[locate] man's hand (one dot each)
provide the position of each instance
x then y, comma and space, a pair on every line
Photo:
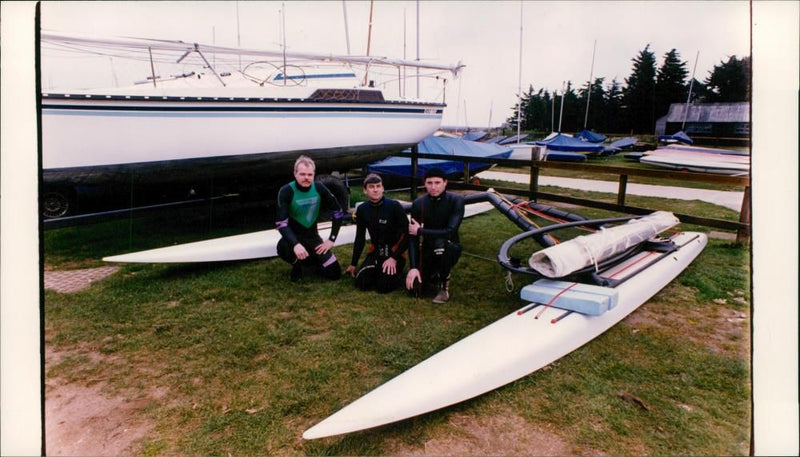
300, 251
411, 276
324, 247
413, 227
351, 270
389, 266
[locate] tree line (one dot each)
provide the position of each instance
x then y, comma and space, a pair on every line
632, 107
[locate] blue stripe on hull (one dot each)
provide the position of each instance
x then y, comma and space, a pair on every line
228, 109
246, 113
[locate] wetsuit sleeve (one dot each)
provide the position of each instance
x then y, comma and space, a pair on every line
361, 230
453, 220
282, 216
329, 203
413, 241
400, 221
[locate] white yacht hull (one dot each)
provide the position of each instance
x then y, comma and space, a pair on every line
85, 132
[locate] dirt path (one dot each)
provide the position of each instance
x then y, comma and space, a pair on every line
83, 419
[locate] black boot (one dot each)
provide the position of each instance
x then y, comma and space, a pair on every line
443, 292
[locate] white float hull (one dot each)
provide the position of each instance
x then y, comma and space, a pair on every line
504, 351
256, 245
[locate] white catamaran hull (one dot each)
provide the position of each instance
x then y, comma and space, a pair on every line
256, 245
508, 349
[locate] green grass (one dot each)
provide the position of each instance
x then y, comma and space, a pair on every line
248, 361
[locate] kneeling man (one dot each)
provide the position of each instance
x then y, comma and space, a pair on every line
435, 218
387, 225
299, 205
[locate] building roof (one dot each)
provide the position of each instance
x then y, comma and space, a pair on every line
710, 112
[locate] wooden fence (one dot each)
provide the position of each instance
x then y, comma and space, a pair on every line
742, 227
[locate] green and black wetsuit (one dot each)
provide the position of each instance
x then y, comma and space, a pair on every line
298, 211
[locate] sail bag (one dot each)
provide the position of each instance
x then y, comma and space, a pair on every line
580, 252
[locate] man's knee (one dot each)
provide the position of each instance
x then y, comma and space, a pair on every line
285, 252
332, 270
452, 253
365, 277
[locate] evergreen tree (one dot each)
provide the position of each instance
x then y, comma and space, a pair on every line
639, 95
538, 114
596, 120
730, 81
568, 119
634, 106
522, 104
670, 86
535, 111
612, 109
547, 112
700, 92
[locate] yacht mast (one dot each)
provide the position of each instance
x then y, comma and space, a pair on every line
346, 28
689, 97
519, 78
589, 93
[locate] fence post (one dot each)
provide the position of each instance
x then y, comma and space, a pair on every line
743, 235
623, 187
534, 179
414, 160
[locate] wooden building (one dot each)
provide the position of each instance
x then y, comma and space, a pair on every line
718, 123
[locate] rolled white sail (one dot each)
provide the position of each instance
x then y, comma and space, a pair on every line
565, 258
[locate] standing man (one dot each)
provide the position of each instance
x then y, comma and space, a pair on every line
299, 206
387, 224
435, 217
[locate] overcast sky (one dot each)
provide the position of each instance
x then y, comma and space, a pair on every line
557, 37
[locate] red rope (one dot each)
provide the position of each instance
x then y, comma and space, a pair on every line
633, 264
555, 298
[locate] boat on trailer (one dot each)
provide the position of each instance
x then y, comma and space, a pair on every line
244, 124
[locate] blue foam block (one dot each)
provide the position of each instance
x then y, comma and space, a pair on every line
583, 298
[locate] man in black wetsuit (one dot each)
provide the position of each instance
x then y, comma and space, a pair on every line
435, 217
299, 205
387, 224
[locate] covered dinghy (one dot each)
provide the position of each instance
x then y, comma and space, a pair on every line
513, 139
619, 145
475, 135
679, 137
496, 139
443, 146
561, 142
591, 137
